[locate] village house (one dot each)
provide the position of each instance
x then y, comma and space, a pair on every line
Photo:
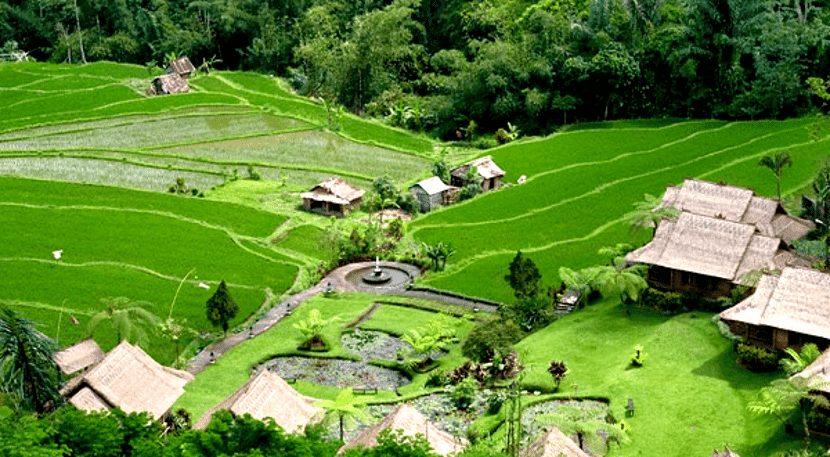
554, 443
785, 311
486, 169
722, 233
129, 379
78, 357
181, 67
268, 395
169, 84
411, 423
333, 197
432, 193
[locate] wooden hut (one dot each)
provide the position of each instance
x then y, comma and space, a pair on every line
736, 204
268, 395
709, 256
181, 67
129, 379
785, 311
431, 193
554, 443
78, 356
334, 197
411, 423
487, 170
169, 84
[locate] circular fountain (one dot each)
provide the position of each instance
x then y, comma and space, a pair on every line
381, 277
376, 276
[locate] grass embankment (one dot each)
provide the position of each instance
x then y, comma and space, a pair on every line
232, 370
580, 184
140, 245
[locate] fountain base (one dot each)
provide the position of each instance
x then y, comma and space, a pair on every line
376, 276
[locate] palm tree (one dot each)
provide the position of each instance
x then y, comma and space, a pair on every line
345, 406
128, 317
776, 163
27, 369
783, 396
649, 213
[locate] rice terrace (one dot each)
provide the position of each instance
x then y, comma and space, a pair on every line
110, 198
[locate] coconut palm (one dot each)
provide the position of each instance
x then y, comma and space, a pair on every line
27, 369
344, 407
776, 164
128, 317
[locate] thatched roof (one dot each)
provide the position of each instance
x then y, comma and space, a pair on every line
711, 247
798, 301
170, 84
268, 395
129, 379
334, 190
411, 422
485, 167
737, 204
181, 67
553, 444
85, 399
726, 453
432, 186
79, 356
820, 367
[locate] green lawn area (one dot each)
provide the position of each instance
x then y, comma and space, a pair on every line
690, 396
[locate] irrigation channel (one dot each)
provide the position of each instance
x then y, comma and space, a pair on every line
348, 278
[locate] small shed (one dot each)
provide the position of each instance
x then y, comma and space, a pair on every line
181, 67
333, 197
553, 444
268, 395
129, 379
489, 172
78, 356
411, 423
431, 193
169, 84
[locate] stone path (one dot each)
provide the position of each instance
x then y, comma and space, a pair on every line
336, 280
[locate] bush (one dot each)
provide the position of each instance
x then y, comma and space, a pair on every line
490, 339
818, 422
665, 302
464, 393
757, 359
639, 357
437, 379
502, 136
495, 400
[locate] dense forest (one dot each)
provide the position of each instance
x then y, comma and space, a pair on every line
455, 68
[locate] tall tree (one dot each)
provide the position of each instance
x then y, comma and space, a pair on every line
129, 318
221, 308
776, 163
27, 369
524, 277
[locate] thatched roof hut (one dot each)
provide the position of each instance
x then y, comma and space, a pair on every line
333, 196
181, 67
78, 356
489, 172
268, 395
129, 379
737, 204
169, 84
411, 423
796, 305
553, 444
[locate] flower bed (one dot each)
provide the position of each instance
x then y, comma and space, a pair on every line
373, 345
337, 373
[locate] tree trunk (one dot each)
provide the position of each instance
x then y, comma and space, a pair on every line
341, 427
80, 35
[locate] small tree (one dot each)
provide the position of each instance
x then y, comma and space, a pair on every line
776, 163
783, 396
424, 344
491, 339
649, 212
221, 308
344, 407
128, 317
311, 329
442, 170
798, 362
558, 370
524, 277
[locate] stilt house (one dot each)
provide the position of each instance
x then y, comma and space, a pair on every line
333, 197
785, 311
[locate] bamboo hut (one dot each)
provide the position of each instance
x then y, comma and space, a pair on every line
486, 169
736, 204
181, 67
169, 84
268, 395
78, 356
129, 379
554, 443
786, 311
333, 197
709, 256
411, 423
431, 193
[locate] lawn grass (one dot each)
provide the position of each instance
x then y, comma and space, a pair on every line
305, 240
690, 396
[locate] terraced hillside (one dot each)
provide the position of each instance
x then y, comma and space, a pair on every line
580, 184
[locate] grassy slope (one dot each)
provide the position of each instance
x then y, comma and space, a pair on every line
580, 185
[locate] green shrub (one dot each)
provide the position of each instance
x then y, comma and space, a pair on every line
464, 393
757, 359
495, 400
436, 379
818, 421
639, 357
665, 302
502, 136
491, 338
